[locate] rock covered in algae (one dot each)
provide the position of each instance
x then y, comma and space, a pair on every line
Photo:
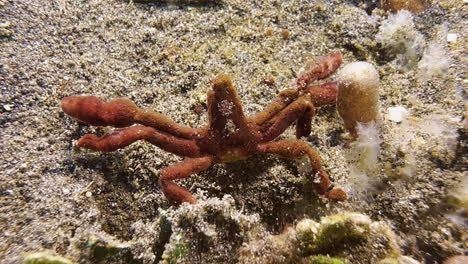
456, 203
211, 229
102, 252
320, 259
100, 248
45, 258
341, 230
343, 238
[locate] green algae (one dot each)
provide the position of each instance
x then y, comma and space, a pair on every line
335, 230
179, 250
45, 258
320, 259
102, 252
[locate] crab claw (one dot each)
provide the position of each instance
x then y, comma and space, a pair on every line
327, 65
324, 94
336, 195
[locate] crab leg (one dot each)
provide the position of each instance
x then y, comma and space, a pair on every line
295, 149
320, 95
304, 122
302, 108
183, 169
160, 122
283, 99
327, 65
223, 104
122, 113
123, 137
323, 94
216, 120
227, 101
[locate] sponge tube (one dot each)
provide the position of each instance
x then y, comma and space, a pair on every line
358, 94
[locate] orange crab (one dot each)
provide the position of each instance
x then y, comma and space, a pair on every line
229, 135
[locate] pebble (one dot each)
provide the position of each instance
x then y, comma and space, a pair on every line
8, 107
452, 37
397, 113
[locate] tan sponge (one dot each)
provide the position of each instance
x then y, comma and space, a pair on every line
358, 94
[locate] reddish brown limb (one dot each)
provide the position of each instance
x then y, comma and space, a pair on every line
121, 113
324, 94
123, 137
295, 149
283, 99
216, 124
216, 120
227, 101
93, 111
324, 68
183, 169
160, 122
299, 108
304, 123
225, 104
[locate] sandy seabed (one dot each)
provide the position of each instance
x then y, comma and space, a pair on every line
108, 208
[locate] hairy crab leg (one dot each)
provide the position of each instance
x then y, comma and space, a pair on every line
327, 65
226, 103
293, 149
324, 94
287, 116
211, 142
283, 99
320, 95
216, 120
123, 137
122, 113
183, 169
304, 122
163, 123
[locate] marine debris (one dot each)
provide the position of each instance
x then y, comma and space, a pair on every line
229, 135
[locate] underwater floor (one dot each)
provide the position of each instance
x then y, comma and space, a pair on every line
404, 169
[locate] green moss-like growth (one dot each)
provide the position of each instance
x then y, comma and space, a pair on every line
320, 259
456, 202
45, 258
307, 231
334, 231
178, 250
108, 253
351, 236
